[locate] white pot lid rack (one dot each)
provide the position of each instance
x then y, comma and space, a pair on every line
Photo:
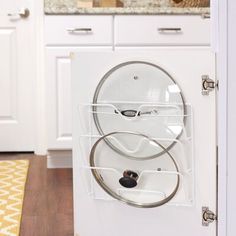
139, 120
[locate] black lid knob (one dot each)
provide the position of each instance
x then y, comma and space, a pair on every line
128, 182
129, 179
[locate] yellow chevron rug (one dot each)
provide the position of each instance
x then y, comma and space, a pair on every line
13, 176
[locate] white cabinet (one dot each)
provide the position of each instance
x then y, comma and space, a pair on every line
65, 34
195, 153
78, 30
59, 105
162, 30
58, 98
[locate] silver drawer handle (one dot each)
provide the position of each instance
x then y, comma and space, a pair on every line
23, 13
169, 30
79, 30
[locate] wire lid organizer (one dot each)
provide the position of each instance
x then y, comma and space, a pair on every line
137, 141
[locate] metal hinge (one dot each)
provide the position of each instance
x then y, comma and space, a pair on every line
208, 85
208, 216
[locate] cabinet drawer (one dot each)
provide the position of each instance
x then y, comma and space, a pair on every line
78, 30
162, 30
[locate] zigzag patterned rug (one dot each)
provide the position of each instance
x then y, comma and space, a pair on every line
13, 176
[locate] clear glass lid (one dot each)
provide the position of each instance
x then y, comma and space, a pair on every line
146, 184
141, 97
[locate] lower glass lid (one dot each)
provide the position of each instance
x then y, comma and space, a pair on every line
137, 182
142, 97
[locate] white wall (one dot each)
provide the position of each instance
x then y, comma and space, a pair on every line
231, 186
221, 18
227, 118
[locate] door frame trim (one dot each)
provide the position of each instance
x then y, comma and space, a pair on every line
40, 87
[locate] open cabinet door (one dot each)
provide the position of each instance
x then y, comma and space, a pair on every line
16, 77
144, 142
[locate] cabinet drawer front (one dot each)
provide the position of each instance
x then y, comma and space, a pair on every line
78, 30
162, 30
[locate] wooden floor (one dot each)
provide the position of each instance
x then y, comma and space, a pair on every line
48, 207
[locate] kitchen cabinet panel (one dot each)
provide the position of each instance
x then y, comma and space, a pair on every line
59, 104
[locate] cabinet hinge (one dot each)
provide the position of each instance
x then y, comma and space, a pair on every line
208, 216
208, 85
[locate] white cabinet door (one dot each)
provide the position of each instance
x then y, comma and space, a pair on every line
16, 78
58, 98
182, 215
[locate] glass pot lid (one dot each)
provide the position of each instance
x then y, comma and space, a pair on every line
145, 184
139, 97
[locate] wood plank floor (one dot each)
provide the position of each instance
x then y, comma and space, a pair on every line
48, 203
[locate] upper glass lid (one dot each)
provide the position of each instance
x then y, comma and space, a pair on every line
141, 97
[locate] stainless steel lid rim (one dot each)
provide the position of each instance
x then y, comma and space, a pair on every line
113, 194
95, 101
